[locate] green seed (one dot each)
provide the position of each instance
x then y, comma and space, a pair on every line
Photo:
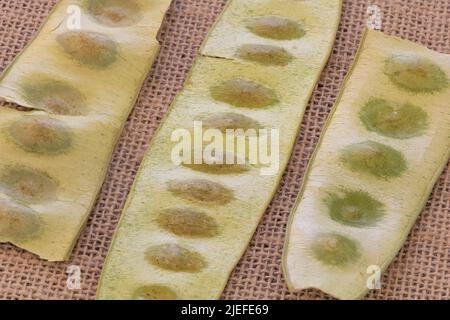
354, 208
335, 250
53, 96
201, 190
374, 158
274, 27
264, 54
187, 222
229, 120
115, 13
154, 292
394, 121
175, 258
415, 74
40, 134
244, 94
17, 222
27, 184
90, 48
224, 167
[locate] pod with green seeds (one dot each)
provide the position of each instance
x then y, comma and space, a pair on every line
77, 88
384, 146
186, 223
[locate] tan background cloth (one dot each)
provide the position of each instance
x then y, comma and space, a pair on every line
421, 270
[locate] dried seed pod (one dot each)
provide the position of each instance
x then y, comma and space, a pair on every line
359, 199
174, 257
244, 94
374, 158
400, 122
115, 13
17, 222
415, 74
274, 27
154, 292
201, 191
264, 54
41, 134
89, 48
53, 96
27, 184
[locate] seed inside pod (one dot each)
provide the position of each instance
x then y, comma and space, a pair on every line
174, 257
374, 158
187, 222
274, 27
354, 208
90, 48
41, 134
220, 163
229, 120
400, 122
17, 222
27, 184
244, 93
53, 96
201, 190
416, 74
115, 13
335, 250
154, 292
264, 54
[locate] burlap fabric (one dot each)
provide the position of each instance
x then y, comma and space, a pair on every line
421, 270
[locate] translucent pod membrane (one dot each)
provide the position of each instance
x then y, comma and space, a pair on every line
354, 208
17, 222
274, 27
201, 191
264, 54
374, 158
27, 184
392, 120
174, 257
229, 120
245, 94
89, 48
41, 134
115, 13
335, 250
53, 96
415, 74
187, 222
154, 292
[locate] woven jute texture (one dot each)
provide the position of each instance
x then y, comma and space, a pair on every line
420, 271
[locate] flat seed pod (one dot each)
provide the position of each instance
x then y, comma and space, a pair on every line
381, 153
186, 224
77, 88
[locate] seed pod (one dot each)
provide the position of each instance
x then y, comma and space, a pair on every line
360, 197
87, 78
17, 222
40, 134
89, 48
206, 217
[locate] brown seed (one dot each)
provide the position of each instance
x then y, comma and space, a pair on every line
174, 257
